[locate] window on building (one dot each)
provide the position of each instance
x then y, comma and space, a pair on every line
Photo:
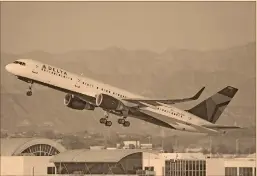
41, 150
230, 171
148, 168
50, 170
185, 167
151, 168
245, 171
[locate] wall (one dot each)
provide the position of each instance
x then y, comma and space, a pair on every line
40, 164
158, 160
187, 156
11, 165
150, 159
240, 162
23, 165
215, 166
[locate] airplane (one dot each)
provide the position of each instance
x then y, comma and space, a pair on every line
83, 93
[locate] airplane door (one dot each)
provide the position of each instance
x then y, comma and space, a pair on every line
77, 84
35, 70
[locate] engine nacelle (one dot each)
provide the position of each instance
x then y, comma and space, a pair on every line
108, 102
74, 102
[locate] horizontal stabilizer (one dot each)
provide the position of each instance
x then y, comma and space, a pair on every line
216, 126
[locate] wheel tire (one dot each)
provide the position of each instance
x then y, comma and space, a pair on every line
121, 121
103, 120
126, 124
108, 123
29, 93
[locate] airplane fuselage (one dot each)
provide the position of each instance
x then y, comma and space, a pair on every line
81, 86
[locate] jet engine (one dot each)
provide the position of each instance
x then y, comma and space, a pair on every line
108, 102
74, 102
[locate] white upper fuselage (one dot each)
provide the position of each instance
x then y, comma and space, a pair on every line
61, 78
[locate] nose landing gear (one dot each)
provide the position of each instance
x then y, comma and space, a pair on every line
29, 92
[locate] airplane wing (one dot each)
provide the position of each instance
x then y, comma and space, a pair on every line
154, 102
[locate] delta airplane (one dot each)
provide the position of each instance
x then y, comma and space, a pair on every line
87, 94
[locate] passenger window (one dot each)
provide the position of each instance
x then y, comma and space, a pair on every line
18, 62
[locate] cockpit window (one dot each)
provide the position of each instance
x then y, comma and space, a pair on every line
18, 62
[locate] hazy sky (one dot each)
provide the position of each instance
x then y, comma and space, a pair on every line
64, 26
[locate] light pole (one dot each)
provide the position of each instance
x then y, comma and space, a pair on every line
149, 138
210, 146
237, 146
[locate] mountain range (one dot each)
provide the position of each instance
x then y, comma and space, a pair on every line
175, 73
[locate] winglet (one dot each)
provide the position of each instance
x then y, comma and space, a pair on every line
197, 95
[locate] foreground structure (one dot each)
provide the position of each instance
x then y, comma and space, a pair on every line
30, 156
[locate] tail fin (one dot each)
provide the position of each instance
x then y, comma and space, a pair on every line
211, 108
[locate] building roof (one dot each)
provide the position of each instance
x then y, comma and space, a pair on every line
189, 156
15, 146
93, 156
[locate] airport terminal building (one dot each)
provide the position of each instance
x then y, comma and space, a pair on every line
32, 156
28, 156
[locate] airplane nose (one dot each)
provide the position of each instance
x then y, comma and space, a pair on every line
8, 68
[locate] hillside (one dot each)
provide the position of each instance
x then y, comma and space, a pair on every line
173, 74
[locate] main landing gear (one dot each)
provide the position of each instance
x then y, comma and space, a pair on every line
109, 123
124, 122
29, 92
105, 119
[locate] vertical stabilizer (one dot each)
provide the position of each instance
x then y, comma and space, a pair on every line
211, 108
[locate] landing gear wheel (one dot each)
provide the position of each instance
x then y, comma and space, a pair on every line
103, 120
108, 123
121, 121
126, 124
29, 93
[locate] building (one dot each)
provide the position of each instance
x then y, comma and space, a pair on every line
178, 164
197, 164
28, 156
93, 162
131, 144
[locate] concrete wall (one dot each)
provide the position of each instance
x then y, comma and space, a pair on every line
36, 164
150, 159
240, 162
23, 165
215, 167
11, 165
